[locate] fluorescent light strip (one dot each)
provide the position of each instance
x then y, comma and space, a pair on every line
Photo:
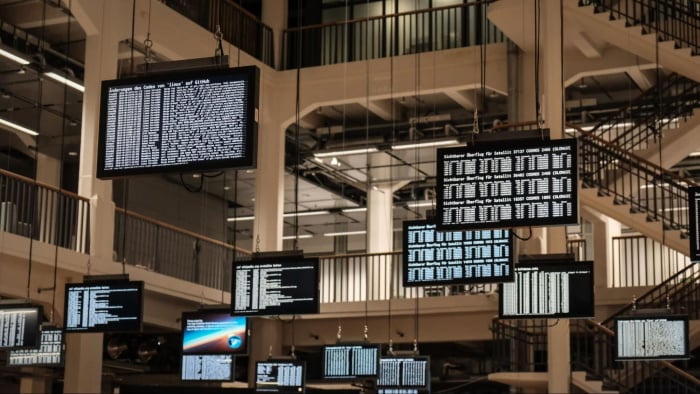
65, 81
301, 236
424, 144
353, 210
360, 232
240, 219
306, 213
418, 204
694, 154
17, 127
13, 57
345, 152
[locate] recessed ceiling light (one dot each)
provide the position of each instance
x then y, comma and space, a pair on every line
72, 153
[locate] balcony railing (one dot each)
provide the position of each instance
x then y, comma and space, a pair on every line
238, 26
44, 213
404, 33
641, 261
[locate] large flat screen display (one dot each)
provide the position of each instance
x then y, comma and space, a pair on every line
694, 222
507, 184
548, 290
404, 373
276, 286
19, 325
214, 331
49, 354
213, 367
280, 376
187, 121
349, 362
652, 337
103, 306
432, 257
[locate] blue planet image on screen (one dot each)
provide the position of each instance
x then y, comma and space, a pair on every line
235, 342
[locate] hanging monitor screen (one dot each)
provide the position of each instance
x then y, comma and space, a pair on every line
694, 222
103, 306
276, 286
187, 121
214, 331
280, 376
349, 362
652, 337
433, 257
49, 354
548, 290
404, 373
508, 184
19, 325
214, 367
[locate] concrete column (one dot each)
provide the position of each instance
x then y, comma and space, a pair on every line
83, 372
274, 14
34, 384
380, 231
48, 164
266, 338
604, 229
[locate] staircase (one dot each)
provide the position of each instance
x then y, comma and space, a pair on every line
637, 25
635, 192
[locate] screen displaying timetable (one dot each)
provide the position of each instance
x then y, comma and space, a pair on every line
348, 362
694, 222
404, 372
19, 325
214, 367
185, 121
280, 376
548, 290
276, 286
49, 353
652, 337
433, 257
108, 306
508, 184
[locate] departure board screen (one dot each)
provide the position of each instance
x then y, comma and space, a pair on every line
432, 257
49, 354
104, 306
349, 362
214, 367
548, 290
280, 376
19, 325
404, 372
187, 121
214, 331
694, 222
276, 286
652, 337
508, 184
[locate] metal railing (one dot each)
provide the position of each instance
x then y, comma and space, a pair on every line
641, 122
172, 251
677, 20
238, 26
404, 33
519, 345
44, 213
631, 257
646, 187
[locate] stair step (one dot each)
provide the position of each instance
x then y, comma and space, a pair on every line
581, 380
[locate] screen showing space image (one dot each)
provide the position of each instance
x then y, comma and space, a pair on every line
214, 332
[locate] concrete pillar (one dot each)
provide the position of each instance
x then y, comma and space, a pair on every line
34, 384
604, 229
266, 338
274, 14
48, 164
83, 372
380, 231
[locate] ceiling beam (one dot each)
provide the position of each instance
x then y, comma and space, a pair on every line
467, 99
587, 47
387, 109
641, 78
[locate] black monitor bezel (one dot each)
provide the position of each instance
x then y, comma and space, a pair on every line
494, 146
249, 73
349, 378
419, 388
589, 265
62, 358
404, 263
692, 224
675, 317
280, 260
39, 318
217, 311
233, 367
139, 286
283, 389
